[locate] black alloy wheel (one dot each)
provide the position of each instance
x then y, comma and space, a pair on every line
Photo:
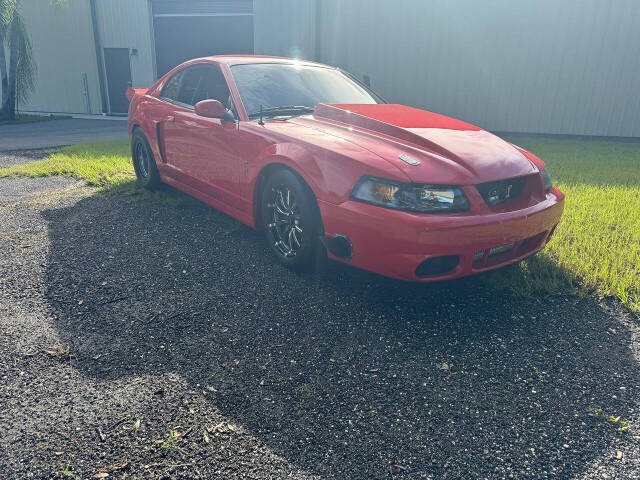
144, 162
291, 221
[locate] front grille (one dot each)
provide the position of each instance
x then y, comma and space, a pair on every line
495, 193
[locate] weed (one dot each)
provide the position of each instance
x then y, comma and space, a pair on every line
622, 425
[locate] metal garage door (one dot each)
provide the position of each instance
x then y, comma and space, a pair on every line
186, 29
202, 7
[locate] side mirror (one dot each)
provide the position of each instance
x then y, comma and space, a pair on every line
211, 109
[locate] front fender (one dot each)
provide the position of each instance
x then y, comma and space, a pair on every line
296, 157
540, 165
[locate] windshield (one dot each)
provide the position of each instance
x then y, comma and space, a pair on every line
273, 85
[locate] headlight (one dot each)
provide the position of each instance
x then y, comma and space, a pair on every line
547, 180
410, 196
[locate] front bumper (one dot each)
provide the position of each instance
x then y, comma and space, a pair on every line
394, 243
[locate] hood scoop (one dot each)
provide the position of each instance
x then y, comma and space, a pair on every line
378, 115
394, 121
482, 154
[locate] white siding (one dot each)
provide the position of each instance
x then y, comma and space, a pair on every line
63, 50
128, 24
545, 66
284, 27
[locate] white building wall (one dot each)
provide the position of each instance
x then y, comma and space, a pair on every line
128, 24
63, 50
545, 66
285, 28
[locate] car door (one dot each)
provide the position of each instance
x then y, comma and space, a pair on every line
201, 152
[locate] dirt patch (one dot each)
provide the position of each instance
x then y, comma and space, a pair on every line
9, 159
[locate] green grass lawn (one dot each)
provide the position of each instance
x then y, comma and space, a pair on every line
598, 239
596, 246
30, 118
106, 165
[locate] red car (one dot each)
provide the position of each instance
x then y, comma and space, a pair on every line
324, 166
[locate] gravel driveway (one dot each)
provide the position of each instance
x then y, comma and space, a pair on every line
18, 157
178, 320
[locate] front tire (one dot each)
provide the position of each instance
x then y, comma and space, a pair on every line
144, 162
291, 221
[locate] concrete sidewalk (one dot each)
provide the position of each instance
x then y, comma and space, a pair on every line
56, 133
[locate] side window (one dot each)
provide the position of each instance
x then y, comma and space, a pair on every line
196, 83
171, 88
190, 83
212, 85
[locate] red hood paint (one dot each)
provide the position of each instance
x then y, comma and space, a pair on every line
450, 151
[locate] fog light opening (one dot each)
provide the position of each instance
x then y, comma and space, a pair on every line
339, 245
436, 266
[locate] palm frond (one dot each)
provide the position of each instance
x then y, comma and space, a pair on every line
20, 46
7, 11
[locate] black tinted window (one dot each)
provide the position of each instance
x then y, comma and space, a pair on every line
203, 82
189, 85
212, 85
172, 87
200, 82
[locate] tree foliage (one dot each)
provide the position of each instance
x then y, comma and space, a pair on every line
20, 46
17, 67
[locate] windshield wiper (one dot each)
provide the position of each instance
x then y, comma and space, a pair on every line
284, 109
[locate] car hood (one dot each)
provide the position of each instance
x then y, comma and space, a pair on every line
426, 146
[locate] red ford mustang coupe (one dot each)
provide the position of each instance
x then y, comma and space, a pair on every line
324, 166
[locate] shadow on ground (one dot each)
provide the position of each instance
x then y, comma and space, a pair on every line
347, 374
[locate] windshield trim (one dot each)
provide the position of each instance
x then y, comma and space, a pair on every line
295, 64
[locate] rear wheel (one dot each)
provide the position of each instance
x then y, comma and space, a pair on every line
291, 221
144, 162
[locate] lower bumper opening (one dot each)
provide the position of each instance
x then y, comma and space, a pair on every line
504, 253
436, 266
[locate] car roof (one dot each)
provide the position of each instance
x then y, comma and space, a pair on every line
247, 59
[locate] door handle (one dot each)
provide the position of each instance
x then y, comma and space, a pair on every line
170, 118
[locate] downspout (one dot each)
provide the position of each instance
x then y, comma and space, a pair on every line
152, 39
98, 48
4, 76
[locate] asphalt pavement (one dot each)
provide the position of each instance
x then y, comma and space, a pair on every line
56, 133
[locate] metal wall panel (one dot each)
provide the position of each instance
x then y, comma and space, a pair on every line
128, 24
202, 7
63, 49
545, 66
285, 27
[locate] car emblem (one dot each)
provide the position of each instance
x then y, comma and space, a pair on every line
409, 159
